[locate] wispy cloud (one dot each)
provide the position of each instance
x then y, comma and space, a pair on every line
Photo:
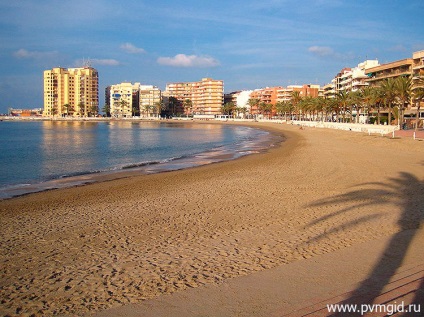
182, 60
96, 61
398, 48
132, 49
106, 62
328, 52
23, 53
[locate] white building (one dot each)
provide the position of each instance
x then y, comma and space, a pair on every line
127, 100
353, 79
121, 99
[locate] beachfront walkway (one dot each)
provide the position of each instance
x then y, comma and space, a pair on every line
410, 134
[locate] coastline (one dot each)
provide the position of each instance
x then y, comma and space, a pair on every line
258, 142
85, 249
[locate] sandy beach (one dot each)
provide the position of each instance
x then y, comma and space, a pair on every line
83, 250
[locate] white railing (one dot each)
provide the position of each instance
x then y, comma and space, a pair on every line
356, 127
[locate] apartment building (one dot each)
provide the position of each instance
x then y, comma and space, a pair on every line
122, 99
418, 64
349, 79
285, 94
149, 101
408, 67
390, 70
71, 92
267, 95
329, 90
239, 98
127, 100
206, 95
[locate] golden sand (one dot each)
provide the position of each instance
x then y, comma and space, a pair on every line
80, 250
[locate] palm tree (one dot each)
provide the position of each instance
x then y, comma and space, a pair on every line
187, 104
354, 99
134, 110
123, 106
159, 107
418, 97
367, 97
279, 107
106, 110
319, 107
295, 99
306, 105
228, 108
70, 109
265, 108
343, 100
93, 110
172, 105
403, 86
242, 110
377, 101
66, 108
253, 103
82, 109
285, 107
388, 89
55, 110
331, 106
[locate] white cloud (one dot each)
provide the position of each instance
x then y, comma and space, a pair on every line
182, 60
132, 49
321, 50
23, 53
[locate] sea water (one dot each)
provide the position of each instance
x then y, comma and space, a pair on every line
40, 155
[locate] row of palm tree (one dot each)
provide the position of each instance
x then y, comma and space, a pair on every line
393, 96
69, 110
122, 108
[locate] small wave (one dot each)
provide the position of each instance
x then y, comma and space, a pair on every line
75, 174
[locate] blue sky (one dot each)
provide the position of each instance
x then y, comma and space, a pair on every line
248, 44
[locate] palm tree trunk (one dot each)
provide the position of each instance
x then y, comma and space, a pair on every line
417, 119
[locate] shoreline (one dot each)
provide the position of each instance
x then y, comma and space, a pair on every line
210, 156
81, 250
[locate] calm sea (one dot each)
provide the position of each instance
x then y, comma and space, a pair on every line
39, 155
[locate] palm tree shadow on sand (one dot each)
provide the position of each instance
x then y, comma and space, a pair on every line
408, 192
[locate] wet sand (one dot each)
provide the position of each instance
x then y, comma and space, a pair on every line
77, 251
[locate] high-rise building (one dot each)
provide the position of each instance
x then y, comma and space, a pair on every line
350, 79
149, 100
71, 92
376, 75
121, 99
127, 100
206, 96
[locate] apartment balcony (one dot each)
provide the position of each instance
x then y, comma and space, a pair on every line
418, 65
390, 74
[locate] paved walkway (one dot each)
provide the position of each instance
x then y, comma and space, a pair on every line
306, 287
403, 290
410, 134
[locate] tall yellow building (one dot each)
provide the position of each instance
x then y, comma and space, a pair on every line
71, 92
207, 95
